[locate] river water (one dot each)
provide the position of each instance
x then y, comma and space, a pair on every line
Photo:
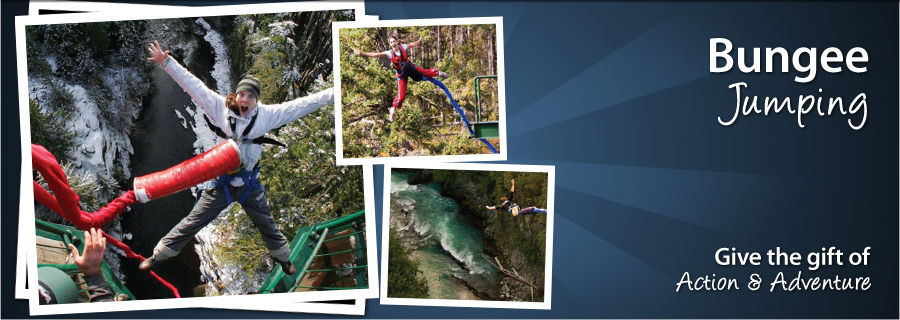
447, 246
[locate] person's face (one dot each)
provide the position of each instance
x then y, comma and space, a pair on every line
395, 44
246, 102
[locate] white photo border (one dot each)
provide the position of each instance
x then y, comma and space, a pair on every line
26, 201
548, 265
35, 6
501, 85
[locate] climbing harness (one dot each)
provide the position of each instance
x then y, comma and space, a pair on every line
250, 178
404, 67
396, 60
233, 123
409, 70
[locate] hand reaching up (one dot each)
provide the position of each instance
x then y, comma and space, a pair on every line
92, 259
156, 53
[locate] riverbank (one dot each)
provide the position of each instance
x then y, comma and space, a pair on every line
436, 288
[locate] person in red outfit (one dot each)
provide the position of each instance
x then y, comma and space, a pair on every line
405, 68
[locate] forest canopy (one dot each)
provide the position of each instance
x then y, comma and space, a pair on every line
427, 124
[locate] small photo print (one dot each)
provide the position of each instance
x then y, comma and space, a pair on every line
188, 157
477, 236
420, 90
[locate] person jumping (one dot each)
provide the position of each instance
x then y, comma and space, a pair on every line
404, 67
240, 117
510, 205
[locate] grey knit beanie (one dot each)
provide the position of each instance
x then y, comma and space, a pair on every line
249, 83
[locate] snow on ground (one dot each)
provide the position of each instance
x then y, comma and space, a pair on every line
222, 66
98, 150
282, 28
89, 134
206, 139
181, 119
122, 82
51, 60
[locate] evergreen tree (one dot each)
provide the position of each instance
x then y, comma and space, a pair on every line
403, 273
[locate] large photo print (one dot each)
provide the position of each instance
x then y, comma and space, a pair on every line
211, 139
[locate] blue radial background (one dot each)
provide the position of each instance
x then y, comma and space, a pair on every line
619, 97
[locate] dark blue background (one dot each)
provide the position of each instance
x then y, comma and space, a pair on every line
618, 96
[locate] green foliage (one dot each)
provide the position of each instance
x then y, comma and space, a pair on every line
242, 243
303, 182
51, 131
288, 52
403, 273
98, 38
428, 124
59, 98
526, 234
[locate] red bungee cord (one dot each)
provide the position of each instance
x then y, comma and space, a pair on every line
64, 201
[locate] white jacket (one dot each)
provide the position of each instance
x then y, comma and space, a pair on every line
270, 116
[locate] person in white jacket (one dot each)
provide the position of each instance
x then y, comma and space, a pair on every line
240, 117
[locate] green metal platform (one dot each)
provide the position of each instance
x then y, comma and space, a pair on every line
483, 129
330, 255
486, 129
53, 251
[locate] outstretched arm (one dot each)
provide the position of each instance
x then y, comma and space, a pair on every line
282, 114
415, 43
369, 54
512, 191
207, 99
491, 207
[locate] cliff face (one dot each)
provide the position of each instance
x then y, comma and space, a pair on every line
505, 237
